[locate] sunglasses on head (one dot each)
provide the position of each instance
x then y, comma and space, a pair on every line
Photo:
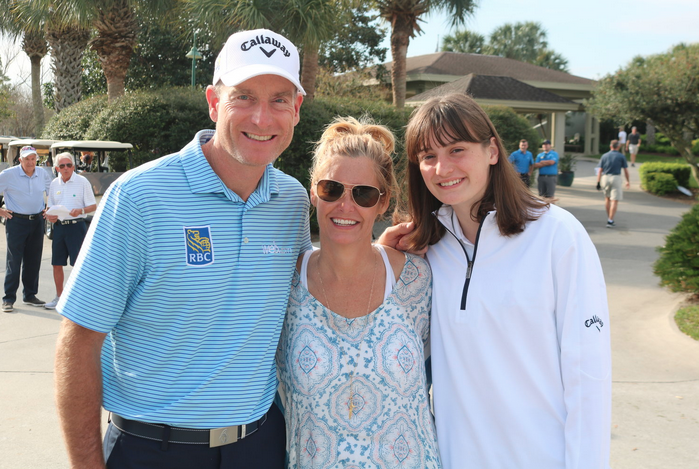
364, 196
63, 165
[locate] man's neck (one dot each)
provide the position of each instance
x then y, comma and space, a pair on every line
241, 179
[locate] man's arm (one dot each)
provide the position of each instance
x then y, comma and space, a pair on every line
544, 163
628, 181
79, 393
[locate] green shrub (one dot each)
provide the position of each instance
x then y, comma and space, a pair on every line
156, 123
680, 172
660, 183
512, 128
73, 122
678, 265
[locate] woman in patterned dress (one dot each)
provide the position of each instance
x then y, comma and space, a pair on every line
351, 354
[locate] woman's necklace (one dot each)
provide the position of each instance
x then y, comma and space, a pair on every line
350, 403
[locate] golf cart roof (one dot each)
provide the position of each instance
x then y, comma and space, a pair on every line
88, 145
34, 142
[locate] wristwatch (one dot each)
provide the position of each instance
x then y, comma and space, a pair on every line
83, 209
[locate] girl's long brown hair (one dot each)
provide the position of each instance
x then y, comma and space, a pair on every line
455, 118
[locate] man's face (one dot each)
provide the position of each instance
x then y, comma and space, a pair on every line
523, 146
255, 120
28, 163
546, 147
67, 169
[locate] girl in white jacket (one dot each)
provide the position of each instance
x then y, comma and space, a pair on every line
520, 324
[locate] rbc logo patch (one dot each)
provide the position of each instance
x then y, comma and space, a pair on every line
200, 249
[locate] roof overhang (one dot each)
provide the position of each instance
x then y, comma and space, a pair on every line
519, 106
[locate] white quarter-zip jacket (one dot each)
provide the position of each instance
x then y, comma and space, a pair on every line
521, 353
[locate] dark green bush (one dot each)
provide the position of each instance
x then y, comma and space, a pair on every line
512, 128
73, 122
660, 183
680, 172
156, 123
678, 265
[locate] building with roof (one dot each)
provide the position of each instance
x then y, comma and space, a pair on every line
493, 80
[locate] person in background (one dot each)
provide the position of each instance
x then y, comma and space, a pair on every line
609, 174
622, 139
23, 187
521, 369
351, 359
195, 252
633, 144
547, 163
73, 192
523, 161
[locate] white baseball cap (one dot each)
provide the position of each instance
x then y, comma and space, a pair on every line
26, 151
248, 54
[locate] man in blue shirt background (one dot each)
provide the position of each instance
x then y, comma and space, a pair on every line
24, 186
547, 162
523, 161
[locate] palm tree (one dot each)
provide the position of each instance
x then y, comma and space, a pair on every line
114, 22
34, 45
68, 43
403, 16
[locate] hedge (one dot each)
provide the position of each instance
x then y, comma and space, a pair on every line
660, 183
678, 265
163, 121
680, 172
73, 122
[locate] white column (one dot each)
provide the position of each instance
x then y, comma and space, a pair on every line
588, 134
558, 131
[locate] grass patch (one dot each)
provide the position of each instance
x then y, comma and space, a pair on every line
687, 320
656, 158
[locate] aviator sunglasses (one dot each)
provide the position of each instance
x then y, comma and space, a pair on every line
63, 165
364, 196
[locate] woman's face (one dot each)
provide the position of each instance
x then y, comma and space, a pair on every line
457, 174
343, 221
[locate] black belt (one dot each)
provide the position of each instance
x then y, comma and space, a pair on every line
27, 217
71, 222
191, 436
547, 175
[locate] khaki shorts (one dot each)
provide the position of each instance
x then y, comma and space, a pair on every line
612, 185
633, 149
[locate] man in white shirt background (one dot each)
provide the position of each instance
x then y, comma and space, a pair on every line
73, 192
622, 139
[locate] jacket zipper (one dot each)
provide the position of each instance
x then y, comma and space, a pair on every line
470, 262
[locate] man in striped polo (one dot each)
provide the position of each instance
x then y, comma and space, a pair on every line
186, 273
74, 195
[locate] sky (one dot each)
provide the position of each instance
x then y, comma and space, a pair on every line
596, 36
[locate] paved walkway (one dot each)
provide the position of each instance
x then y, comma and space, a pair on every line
656, 367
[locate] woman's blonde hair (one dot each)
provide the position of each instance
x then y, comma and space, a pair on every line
349, 137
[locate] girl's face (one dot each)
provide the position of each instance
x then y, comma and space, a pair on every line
457, 174
343, 221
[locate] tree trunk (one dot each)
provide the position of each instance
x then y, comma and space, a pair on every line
34, 45
400, 38
67, 46
37, 103
309, 72
114, 44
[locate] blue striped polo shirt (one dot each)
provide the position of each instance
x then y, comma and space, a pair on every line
191, 283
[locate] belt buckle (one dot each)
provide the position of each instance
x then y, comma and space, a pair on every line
225, 435
31, 217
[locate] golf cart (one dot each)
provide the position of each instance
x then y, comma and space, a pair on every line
92, 162
4, 149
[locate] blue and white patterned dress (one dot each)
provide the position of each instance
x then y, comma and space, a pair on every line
391, 424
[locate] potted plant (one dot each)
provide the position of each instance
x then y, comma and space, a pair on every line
566, 169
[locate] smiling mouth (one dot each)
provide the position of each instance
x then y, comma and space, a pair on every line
259, 138
450, 183
343, 222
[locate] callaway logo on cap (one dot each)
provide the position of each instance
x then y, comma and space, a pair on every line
248, 54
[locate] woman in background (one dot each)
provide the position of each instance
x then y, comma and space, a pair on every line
520, 324
350, 359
